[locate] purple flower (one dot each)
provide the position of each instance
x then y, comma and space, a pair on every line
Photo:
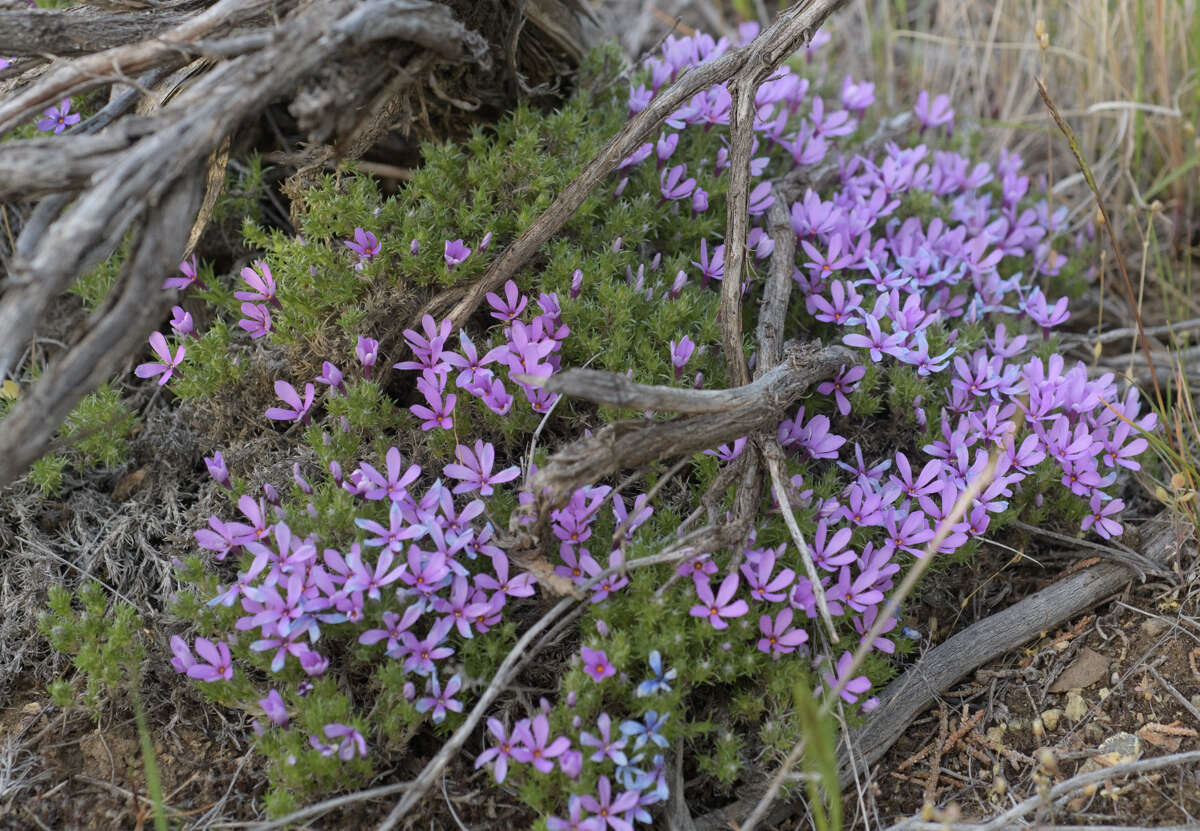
856, 97
398, 531
182, 323
935, 114
717, 608
609, 810
455, 252
297, 409
221, 539
394, 486
681, 353
474, 469
509, 307
166, 365
58, 118
364, 244
332, 376
501, 752
220, 662
274, 708
422, 653
427, 348
371, 581
607, 746
672, 184
367, 352
189, 278
1045, 316
596, 664
854, 687
536, 748
437, 414
257, 320
184, 659
351, 742
217, 469
842, 385
485, 242
778, 636
394, 627
440, 700
575, 820
1101, 516
713, 269
262, 283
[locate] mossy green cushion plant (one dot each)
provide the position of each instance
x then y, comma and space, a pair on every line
368, 600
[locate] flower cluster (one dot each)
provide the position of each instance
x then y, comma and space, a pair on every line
619, 750
940, 272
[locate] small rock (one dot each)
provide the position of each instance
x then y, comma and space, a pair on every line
1076, 707
1050, 718
1153, 627
1088, 667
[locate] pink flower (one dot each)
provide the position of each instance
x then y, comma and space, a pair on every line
257, 320
189, 278
166, 365
298, 411
596, 664
263, 285
717, 608
854, 687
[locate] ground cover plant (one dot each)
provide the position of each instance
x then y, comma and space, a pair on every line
363, 584
367, 599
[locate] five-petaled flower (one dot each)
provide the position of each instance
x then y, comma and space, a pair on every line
717, 608
455, 252
596, 664
58, 118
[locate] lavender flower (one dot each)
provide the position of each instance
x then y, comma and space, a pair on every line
365, 245
455, 252
58, 118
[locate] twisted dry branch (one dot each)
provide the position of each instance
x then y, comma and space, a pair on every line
131, 170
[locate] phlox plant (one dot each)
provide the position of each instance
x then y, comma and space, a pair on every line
370, 598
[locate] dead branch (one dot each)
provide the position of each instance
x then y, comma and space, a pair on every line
31, 424
80, 32
128, 170
634, 444
100, 69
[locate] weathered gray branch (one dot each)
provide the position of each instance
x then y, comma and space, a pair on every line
80, 32
945, 664
124, 170
627, 445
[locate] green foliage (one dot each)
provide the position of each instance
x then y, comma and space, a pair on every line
47, 473
94, 286
102, 636
99, 427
